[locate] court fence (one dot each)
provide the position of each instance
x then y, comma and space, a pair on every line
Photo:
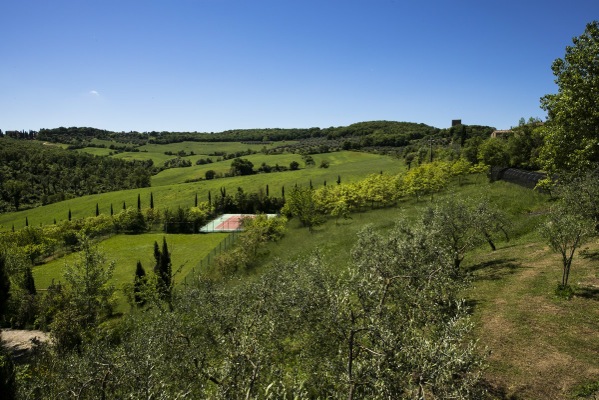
205, 262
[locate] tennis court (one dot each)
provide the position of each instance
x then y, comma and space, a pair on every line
228, 223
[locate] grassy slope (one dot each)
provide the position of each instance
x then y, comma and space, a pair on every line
156, 151
125, 250
350, 166
541, 347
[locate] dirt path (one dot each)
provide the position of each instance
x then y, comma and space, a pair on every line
19, 342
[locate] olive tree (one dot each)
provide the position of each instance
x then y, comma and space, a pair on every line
565, 231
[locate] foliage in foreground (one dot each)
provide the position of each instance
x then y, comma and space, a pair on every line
392, 326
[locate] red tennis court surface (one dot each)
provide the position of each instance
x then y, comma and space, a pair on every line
228, 223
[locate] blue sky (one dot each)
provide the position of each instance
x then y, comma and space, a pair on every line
212, 65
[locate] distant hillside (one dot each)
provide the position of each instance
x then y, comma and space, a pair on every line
364, 134
32, 174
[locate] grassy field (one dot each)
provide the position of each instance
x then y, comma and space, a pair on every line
350, 166
541, 346
125, 250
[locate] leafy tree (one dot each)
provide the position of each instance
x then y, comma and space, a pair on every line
470, 149
565, 231
293, 165
580, 194
460, 225
87, 301
242, 167
210, 174
300, 203
4, 284
89, 280
130, 221
494, 151
571, 134
460, 168
14, 190
525, 143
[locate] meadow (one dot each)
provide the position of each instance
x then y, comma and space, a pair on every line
171, 191
125, 250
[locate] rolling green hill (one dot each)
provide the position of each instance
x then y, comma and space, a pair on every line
171, 192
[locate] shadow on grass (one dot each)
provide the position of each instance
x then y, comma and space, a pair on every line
588, 292
498, 392
590, 255
494, 269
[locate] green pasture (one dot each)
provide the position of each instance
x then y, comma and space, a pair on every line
347, 164
350, 166
156, 152
96, 151
125, 250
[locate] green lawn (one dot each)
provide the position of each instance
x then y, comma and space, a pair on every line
125, 250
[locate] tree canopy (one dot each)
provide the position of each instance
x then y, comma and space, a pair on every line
572, 131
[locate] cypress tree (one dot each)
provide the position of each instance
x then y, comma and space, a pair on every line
54, 221
97, 210
27, 221
163, 269
283, 191
111, 210
151, 200
311, 187
13, 227
124, 206
267, 191
338, 179
69, 214
138, 284
4, 285
8, 385
28, 281
138, 201
325, 183
209, 198
196, 201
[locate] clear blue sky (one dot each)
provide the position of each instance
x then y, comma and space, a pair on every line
212, 65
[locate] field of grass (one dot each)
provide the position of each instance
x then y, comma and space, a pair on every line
156, 152
125, 250
351, 166
541, 346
